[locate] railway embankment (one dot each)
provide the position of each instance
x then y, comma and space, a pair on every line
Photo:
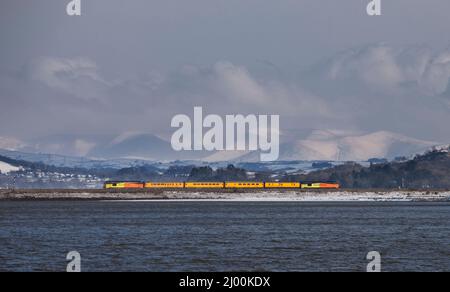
229, 195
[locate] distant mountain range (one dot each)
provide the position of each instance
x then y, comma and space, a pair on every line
336, 146
129, 146
318, 145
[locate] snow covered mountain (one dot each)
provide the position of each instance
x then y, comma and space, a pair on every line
134, 148
339, 146
128, 146
329, 146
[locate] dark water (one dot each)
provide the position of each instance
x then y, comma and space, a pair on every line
217, 236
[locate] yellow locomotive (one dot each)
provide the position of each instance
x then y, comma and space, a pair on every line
124, 185
320, 186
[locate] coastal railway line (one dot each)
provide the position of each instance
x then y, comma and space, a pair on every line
249, 185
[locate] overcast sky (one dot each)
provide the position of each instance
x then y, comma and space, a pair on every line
131, 65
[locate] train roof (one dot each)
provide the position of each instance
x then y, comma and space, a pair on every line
123, 181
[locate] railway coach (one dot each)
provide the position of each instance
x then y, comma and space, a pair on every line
205, 185
244, 185
282, 185
164, 185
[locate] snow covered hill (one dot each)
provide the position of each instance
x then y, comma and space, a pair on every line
6, 168
128, 146
72, 162
339, 146
135, 149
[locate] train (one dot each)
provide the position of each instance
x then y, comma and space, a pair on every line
219, 185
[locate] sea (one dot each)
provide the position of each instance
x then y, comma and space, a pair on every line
208, 236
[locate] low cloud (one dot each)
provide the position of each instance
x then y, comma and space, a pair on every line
386, 69
78, 77
436, 76
225, 87
9, 143
82, 147
374, 88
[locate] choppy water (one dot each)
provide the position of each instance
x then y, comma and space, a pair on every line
221, 236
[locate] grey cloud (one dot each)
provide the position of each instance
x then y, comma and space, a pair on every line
75, 92
351, 90
225, 86
391, 70
125, 67
385, 87
436, 76
78, 77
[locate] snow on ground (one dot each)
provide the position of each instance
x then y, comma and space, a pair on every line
341, 196
6, 168
264, 196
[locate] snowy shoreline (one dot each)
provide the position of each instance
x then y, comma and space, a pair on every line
263, 196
